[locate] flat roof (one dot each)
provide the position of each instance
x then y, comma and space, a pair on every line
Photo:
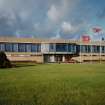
35, 40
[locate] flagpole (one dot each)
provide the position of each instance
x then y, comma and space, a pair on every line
98, 30
91, 52
100, 49
80, 49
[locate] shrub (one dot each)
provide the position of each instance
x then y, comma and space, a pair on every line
4, 62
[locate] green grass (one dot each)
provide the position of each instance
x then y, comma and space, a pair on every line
53, 84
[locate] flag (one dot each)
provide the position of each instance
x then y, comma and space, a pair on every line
96, 30
86, 38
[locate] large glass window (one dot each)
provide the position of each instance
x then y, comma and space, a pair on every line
94, 49
52, 48
77, 48
86, 48
36, 47
39, 48
8, 47
89, 48
98, 49
21, 47
15, 47
83, 49
103, 49
2, 47
28, 47
61, 48
73, 48
70, 48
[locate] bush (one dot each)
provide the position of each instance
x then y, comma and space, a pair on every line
4, 62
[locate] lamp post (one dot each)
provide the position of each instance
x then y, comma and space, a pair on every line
97, 30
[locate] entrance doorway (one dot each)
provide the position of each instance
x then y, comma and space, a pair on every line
58, 58
51, 58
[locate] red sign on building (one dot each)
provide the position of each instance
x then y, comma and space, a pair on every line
86, 38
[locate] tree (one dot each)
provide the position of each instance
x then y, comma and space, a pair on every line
4, 61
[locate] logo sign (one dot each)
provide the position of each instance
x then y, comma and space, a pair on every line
86, 38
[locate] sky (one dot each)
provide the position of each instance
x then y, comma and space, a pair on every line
53, 19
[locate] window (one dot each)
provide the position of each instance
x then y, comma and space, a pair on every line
61, 48
21, 47
86, 49
98, 49
89, 48
52, 47
36, 47
15, 47
8, 47
28, 47
2, 47
103, 49
83, 49
39, 48
72, 48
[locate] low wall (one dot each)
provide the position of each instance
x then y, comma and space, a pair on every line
89, 58
24, 58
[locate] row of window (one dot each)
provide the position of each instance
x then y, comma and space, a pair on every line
62, 48
91, 49
20, 47
29, 47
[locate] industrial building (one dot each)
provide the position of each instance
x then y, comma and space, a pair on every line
51, 50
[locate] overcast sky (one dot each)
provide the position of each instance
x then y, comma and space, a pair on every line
51, 18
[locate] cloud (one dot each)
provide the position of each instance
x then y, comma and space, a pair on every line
29, 17
48, 19
57, 12
24, 15
7, 21
67, 27
53, 14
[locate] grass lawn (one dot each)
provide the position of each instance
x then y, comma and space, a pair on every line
53, 84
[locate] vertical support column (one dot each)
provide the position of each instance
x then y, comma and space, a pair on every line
91, 53
80, 52
63, 58
52, 58
100, 50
